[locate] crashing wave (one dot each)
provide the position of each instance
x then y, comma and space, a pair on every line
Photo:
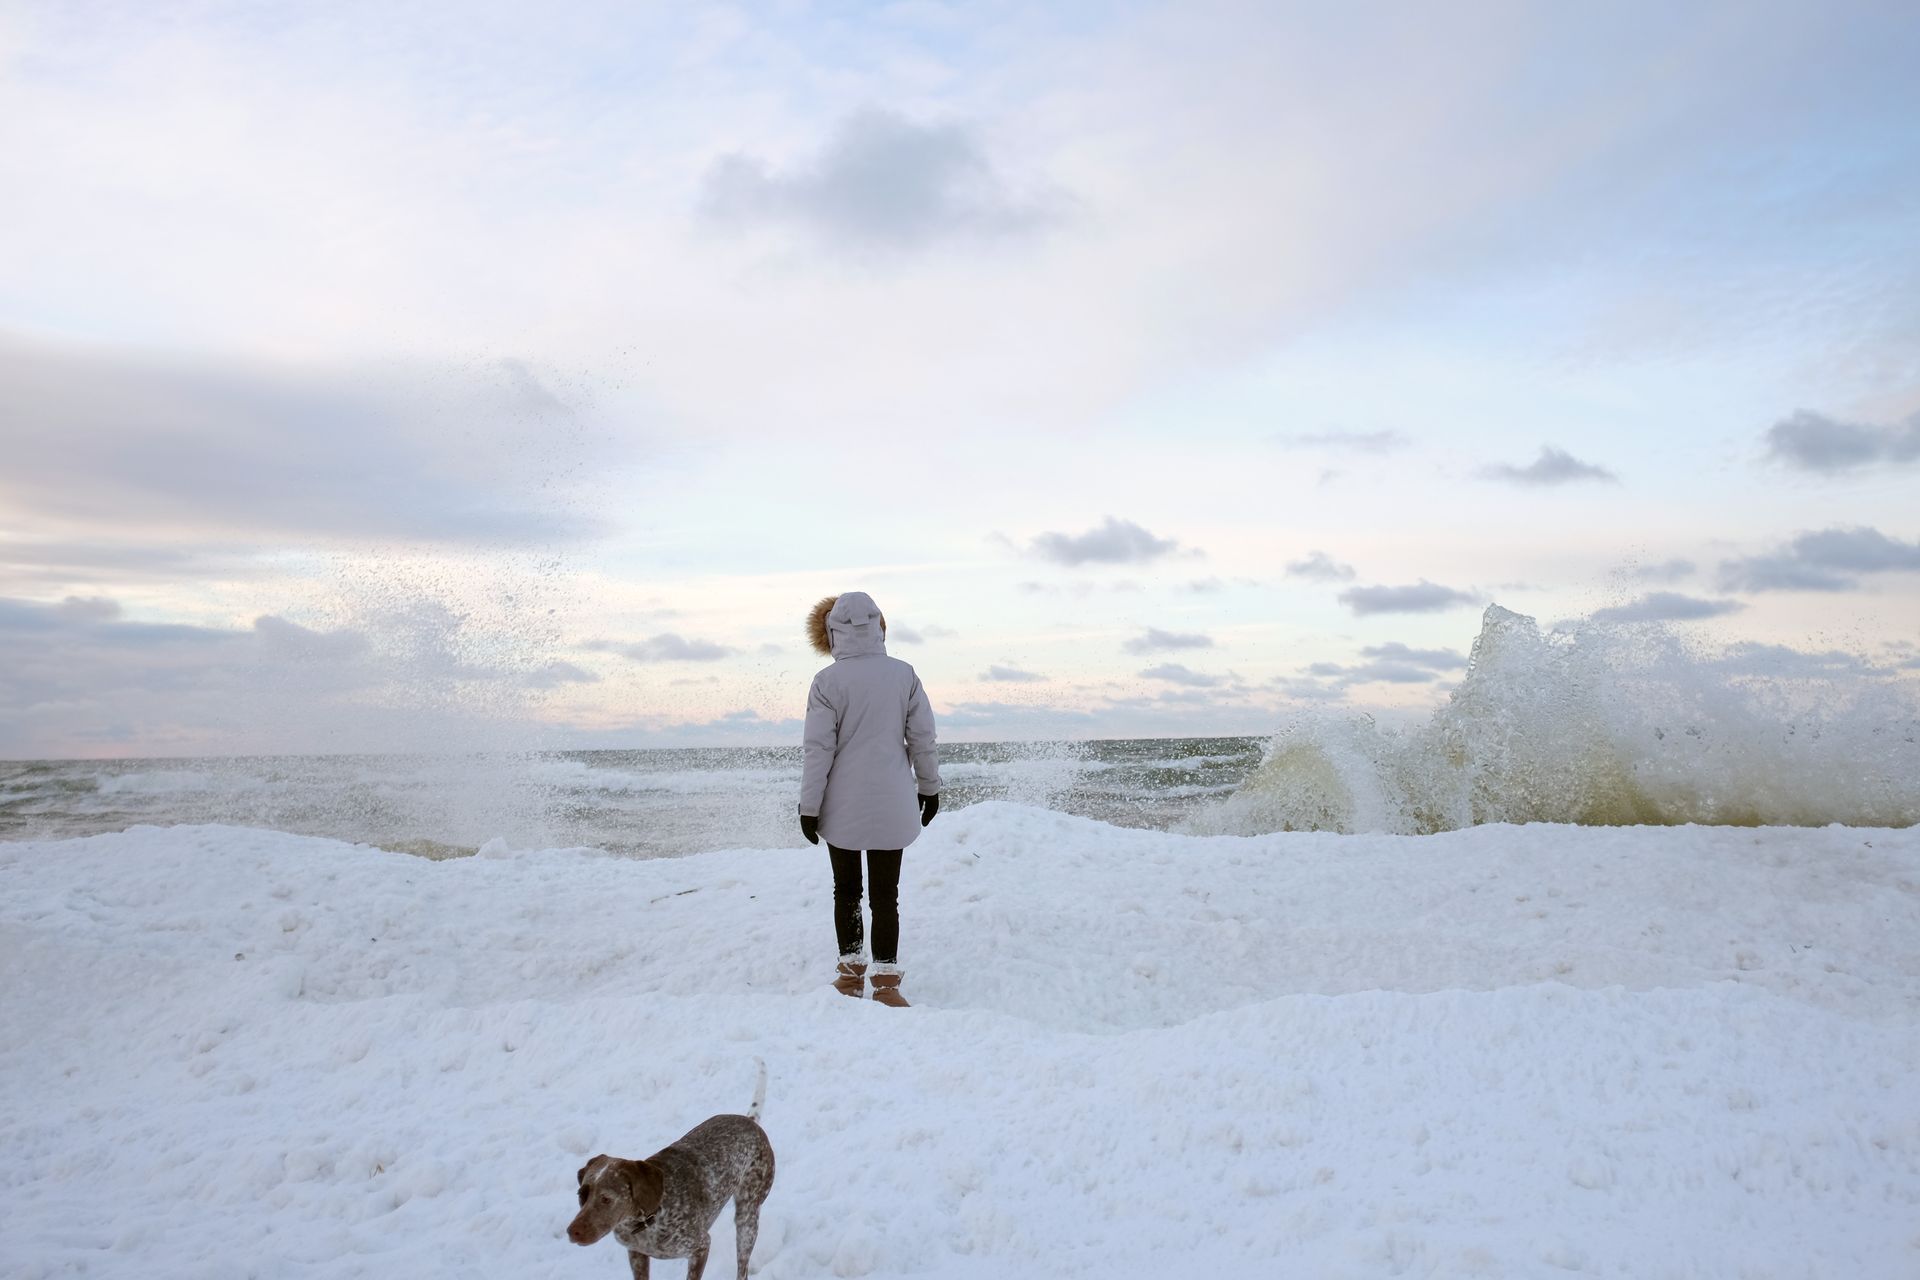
1599, 725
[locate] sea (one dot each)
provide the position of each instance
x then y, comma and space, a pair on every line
648, 803
1596, 727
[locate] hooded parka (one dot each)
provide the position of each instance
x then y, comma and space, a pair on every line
869, 735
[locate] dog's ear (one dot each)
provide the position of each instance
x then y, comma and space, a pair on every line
644, 1184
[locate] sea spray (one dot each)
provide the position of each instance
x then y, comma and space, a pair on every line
434, 660
1601, 725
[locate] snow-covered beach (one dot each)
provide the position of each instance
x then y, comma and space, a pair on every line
1353, 572
1504, 1051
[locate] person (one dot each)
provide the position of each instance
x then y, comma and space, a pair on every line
870, 780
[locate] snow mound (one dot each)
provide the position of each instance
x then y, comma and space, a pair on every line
1507, 1051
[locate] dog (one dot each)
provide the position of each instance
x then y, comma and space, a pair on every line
665, 1206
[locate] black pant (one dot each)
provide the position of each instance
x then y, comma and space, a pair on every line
883, 865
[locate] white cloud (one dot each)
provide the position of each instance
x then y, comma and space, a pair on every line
1003, 674
1320, 567
668, 646
1419, 597
1667, 606
85, 678
252, 452
88, 609
1783, 662
556, 674
1113, 542
1390, 663
1811, 441
1154, 640
1388, 673
1826, 560
1433, 659
1552, 467
1175, 673
1666, 571
881, 181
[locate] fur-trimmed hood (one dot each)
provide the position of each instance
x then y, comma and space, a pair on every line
847, 625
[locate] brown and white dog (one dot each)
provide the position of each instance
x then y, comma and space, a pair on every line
665, 1206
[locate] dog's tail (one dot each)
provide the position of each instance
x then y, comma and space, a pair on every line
759, 1091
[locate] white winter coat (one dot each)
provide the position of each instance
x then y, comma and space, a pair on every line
869, 736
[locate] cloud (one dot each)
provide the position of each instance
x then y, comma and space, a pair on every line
1780, 573
1154, 640
291, 640
1115, 542
1666, 571
1810, 441
80, 677
668, 646
1825, 560
1346, 441
1005, 720
881, 181
1174, 673
1389, 673
33, 566
89, 609
1009, 675
1434, 659
1420, 597
103, 439
555, 674
904, 634
1667, 606
1392, 663
1857, 550
1552, 467
1320, 567
1299, 690
98, 621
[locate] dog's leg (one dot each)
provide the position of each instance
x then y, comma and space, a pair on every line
697, 1262
639, 1262
746, 1229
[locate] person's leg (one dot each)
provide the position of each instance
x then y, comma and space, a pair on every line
846, 899
883, 875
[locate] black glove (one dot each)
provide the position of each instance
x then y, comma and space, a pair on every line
810, 828
929, 805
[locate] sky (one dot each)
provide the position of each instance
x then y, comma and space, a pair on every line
443, 376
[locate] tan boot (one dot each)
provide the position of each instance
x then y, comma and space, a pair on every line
850, 979
886, 990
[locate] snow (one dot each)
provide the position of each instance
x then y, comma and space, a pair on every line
1503, 1051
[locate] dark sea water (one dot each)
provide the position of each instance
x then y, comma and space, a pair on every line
643, 803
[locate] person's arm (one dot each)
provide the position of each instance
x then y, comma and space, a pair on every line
921, 748
822, 737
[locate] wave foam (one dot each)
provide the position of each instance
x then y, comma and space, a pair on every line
1600, 726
